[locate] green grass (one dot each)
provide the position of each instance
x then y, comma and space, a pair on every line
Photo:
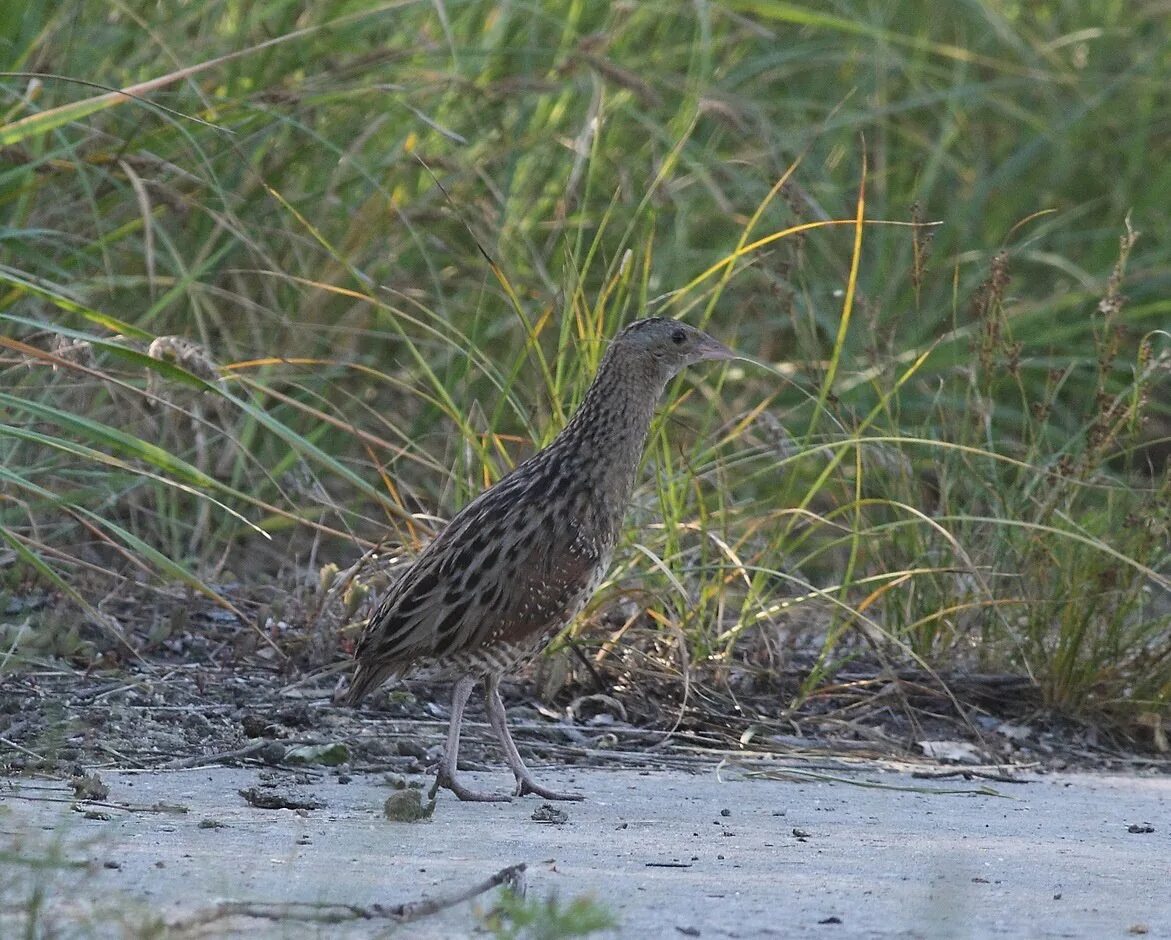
397, 237
515, 917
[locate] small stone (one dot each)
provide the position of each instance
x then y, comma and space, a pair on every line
254, 726
89, 787
296, 716
547, 813
273, 799
197, 723
412, 749
329, 755
407, 806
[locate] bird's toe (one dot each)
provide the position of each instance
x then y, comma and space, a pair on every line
450, 782
524, 786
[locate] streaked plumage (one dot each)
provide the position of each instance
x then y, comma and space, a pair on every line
520, 561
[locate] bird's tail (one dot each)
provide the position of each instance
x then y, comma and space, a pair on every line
365, 679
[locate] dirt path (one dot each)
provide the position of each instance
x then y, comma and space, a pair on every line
669, 854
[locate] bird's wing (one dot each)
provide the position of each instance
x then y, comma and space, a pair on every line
500, 574
555, 570
431, 600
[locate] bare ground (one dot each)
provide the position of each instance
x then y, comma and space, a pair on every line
212, 769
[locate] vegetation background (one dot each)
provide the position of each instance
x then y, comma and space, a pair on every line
327, 269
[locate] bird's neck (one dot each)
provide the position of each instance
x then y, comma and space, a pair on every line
606, 435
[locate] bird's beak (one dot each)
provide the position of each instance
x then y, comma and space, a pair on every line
710, 348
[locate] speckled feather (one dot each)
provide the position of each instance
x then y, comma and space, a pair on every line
520, 561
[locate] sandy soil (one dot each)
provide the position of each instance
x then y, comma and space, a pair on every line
805, 850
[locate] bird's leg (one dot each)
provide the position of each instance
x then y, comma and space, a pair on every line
499, 720
447, 766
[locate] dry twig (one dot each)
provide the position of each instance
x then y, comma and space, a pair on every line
327, 913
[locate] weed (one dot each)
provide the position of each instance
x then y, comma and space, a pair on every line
515, 917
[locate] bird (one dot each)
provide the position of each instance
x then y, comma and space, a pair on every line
519, 562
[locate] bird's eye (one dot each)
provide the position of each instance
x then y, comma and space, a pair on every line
678, 337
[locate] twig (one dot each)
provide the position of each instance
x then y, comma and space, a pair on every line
967, 774
794, 773
125, 758
76, 801
327, 913
513, 876
201, 760
24, 750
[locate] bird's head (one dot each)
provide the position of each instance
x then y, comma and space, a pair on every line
668, 346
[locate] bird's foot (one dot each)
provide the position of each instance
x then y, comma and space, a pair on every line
526, 784
449, 781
